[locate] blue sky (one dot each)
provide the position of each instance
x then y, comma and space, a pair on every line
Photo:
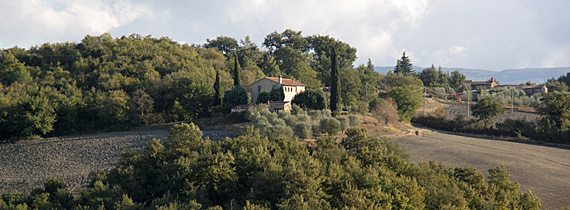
482, 34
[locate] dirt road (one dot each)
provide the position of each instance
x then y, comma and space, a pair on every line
543, 170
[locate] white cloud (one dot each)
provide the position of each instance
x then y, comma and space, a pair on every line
460, 33
454, 49
412, 11
36, 21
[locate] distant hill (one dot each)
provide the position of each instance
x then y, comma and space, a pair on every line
508, 76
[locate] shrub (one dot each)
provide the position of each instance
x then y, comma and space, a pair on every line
263, 97
354, 121
329, 125
315, 115
386, 111
286, 116
303, 129
236, 96
344, 123
310, 99
295, 109
303, 118
316, 129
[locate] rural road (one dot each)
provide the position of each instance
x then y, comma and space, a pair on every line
543, 170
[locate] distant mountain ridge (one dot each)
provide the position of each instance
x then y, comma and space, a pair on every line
508, 76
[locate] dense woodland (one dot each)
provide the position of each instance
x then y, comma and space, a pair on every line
103, 83
275, 171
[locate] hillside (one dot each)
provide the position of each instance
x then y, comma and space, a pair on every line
508, 76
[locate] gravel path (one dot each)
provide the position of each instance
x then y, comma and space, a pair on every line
27, 165
543, 170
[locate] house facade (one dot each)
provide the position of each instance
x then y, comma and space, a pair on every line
289, 86
475, 85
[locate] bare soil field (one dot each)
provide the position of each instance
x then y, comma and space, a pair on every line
543, 170
27, 165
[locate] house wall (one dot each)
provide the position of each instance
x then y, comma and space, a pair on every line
291, 91
267, 85
260, 86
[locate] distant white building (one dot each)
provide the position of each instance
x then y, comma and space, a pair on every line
289, 86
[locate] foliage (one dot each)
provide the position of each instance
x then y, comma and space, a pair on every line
556, 85
277, 94
217, 90
354, 121
310, 99
386, 111
255, 171
487, 110
329, 125
263, 97
236, 71
404, 66
408, 101
303, 129
556, 108
236, 96
456, 79
335, 84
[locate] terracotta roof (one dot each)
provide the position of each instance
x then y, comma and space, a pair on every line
284, 81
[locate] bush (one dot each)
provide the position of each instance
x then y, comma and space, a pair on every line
329, 125
315, 115
310, 99
295, 109
303, 118
316, 129
354, 121
286, 116
303, 129
263, 97
344, 123
236, 96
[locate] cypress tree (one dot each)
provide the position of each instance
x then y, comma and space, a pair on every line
217, 98
236, 71
404, 65
335, 83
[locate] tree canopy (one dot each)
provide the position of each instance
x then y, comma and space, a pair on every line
275, 171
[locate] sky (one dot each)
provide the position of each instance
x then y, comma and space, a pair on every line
481, 34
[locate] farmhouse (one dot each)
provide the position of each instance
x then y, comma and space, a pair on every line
483, 84
528, 89
289, 86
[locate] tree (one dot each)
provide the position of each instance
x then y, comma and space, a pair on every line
269, 66
430, 76
277, 94
335, 84
408, 101
351, 87
487, 110
223, 44
217, 91
236, 71
310, 99
456, 80
404, 65
555, 85
263, 97
556, 108
236, 96
386, 110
